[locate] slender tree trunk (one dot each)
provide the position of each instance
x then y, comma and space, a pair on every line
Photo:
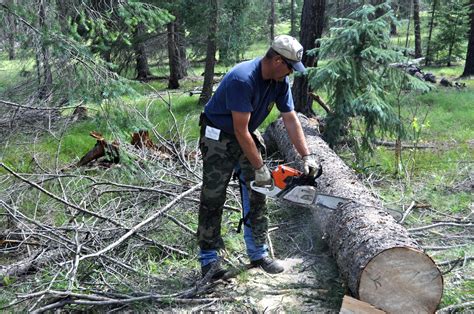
338, 8
10, 31
416, 23
469, 66
293, 18
142, 68
450, 52
408, 32
453, 40
393, 26
430, 33
180, 39
46, 74
272, 20
11, 36
173, 57
210, 54
312, 23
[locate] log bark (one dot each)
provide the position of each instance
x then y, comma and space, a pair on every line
380, 262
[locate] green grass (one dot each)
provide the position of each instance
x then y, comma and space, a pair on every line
451, 73
450, 115
11, 71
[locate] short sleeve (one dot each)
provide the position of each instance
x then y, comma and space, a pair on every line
284, 100
238, 96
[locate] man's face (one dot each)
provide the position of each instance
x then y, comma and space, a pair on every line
282, 68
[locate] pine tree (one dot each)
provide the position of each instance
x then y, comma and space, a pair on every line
453, 26
358, 75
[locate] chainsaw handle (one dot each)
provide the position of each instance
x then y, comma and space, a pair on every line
268, 190
320, 172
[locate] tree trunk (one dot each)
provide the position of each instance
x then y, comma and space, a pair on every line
11, 36
272, 20
312, 23
393, 26
10, 23
469, 66
47, 75
379, 11
450, 53
416, 24
143, 70
405, 53
210, 55
173, 57
430, 33
293, 18
180, 40
381, 264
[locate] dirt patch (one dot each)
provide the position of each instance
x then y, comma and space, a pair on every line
310, 282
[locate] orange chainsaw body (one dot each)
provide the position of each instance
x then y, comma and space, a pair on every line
281, 175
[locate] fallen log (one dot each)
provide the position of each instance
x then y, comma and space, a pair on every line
380, 262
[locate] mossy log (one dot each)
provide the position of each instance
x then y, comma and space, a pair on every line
376, 256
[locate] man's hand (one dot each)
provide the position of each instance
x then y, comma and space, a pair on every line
310, 165
263, 176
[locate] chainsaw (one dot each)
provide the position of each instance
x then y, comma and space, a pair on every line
292, 185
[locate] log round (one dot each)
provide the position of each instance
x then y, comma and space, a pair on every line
376, 256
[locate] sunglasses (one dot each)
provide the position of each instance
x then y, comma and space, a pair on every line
290, 67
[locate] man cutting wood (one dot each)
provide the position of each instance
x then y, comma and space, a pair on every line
230, 143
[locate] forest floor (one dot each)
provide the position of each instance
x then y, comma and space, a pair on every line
309, 283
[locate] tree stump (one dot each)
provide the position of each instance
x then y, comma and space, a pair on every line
376, 256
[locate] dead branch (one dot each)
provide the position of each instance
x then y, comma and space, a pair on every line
83, 210
407, 212
456, 261
449, 309
143, 223
179, 223
111, 218
442, 224
441, 248
318, 99
403, 145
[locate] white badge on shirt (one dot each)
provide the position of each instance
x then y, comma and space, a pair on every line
212, 133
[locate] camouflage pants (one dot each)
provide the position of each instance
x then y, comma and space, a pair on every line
219, 159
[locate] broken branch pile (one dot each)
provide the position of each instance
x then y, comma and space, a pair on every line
94, 236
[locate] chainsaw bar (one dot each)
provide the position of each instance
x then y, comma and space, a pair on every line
307, 195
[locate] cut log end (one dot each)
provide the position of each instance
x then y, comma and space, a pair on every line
402, 280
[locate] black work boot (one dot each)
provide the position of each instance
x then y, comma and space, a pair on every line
217, 271
269, 265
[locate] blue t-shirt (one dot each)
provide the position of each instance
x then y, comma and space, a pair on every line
244, 90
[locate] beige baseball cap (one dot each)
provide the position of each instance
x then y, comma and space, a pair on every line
290, 49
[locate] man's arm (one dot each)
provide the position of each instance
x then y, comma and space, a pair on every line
246, 142
295, 132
